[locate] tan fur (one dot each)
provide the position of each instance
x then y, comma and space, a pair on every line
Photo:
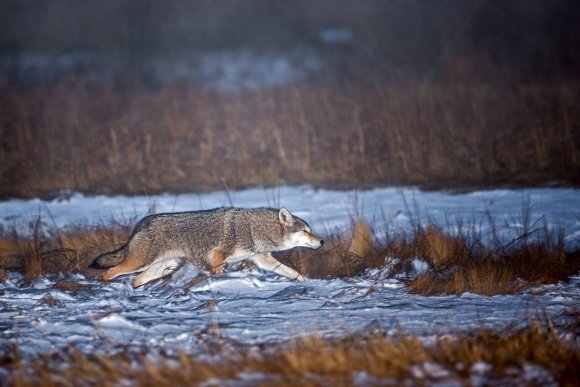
217, 260
128, 266
139, 280
208, 239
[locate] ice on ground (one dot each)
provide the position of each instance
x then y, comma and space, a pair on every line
420, 265
252, 307
485, 215
192, 308
508, 213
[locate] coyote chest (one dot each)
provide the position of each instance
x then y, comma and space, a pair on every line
209, 239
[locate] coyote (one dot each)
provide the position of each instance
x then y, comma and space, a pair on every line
161, 243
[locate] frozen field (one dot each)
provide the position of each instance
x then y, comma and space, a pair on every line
251, 308
387, 209
257, 307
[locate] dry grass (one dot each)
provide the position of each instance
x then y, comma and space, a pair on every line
457, 264
375, 129
361, 240
69, 250
442, 248
340, 256
316, 361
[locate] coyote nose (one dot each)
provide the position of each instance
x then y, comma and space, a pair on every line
321, 242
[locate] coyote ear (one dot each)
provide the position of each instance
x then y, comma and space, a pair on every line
285, 217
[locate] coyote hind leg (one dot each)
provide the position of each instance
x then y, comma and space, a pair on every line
128, 266
163, 266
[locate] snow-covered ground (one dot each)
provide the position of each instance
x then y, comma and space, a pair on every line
257, 307
391, 210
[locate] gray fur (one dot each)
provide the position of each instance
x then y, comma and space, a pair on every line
237, 233
109, 259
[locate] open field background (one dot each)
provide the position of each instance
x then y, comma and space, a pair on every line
453, 95
140, 98
180, 138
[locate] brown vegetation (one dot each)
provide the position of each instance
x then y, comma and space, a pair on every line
376, 129
365, 358
411, 101
456, 263
489, 271
69, 250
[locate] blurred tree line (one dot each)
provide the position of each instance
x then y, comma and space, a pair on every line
416, 33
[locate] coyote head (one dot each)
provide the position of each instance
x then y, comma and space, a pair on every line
297, 233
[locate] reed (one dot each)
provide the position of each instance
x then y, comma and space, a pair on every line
436, 132
456, 263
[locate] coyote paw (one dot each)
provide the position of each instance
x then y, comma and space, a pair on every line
300, 278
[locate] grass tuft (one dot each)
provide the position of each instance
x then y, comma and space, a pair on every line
502, 357
361, 241
124, 137
459, 265
456, 263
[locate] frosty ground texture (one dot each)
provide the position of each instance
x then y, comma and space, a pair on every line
254, 307
251, 308
389, 210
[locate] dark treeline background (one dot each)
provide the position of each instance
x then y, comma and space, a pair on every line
412, 33
127, 96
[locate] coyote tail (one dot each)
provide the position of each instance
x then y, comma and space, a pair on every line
109, 259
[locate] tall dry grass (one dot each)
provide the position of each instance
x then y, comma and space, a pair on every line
459, 264
456, 263
48, 252
364, 128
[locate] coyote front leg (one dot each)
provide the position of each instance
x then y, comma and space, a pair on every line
268, 262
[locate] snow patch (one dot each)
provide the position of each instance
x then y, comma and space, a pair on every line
191, 308
390, 210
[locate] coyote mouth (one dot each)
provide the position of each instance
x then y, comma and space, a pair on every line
315, 245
